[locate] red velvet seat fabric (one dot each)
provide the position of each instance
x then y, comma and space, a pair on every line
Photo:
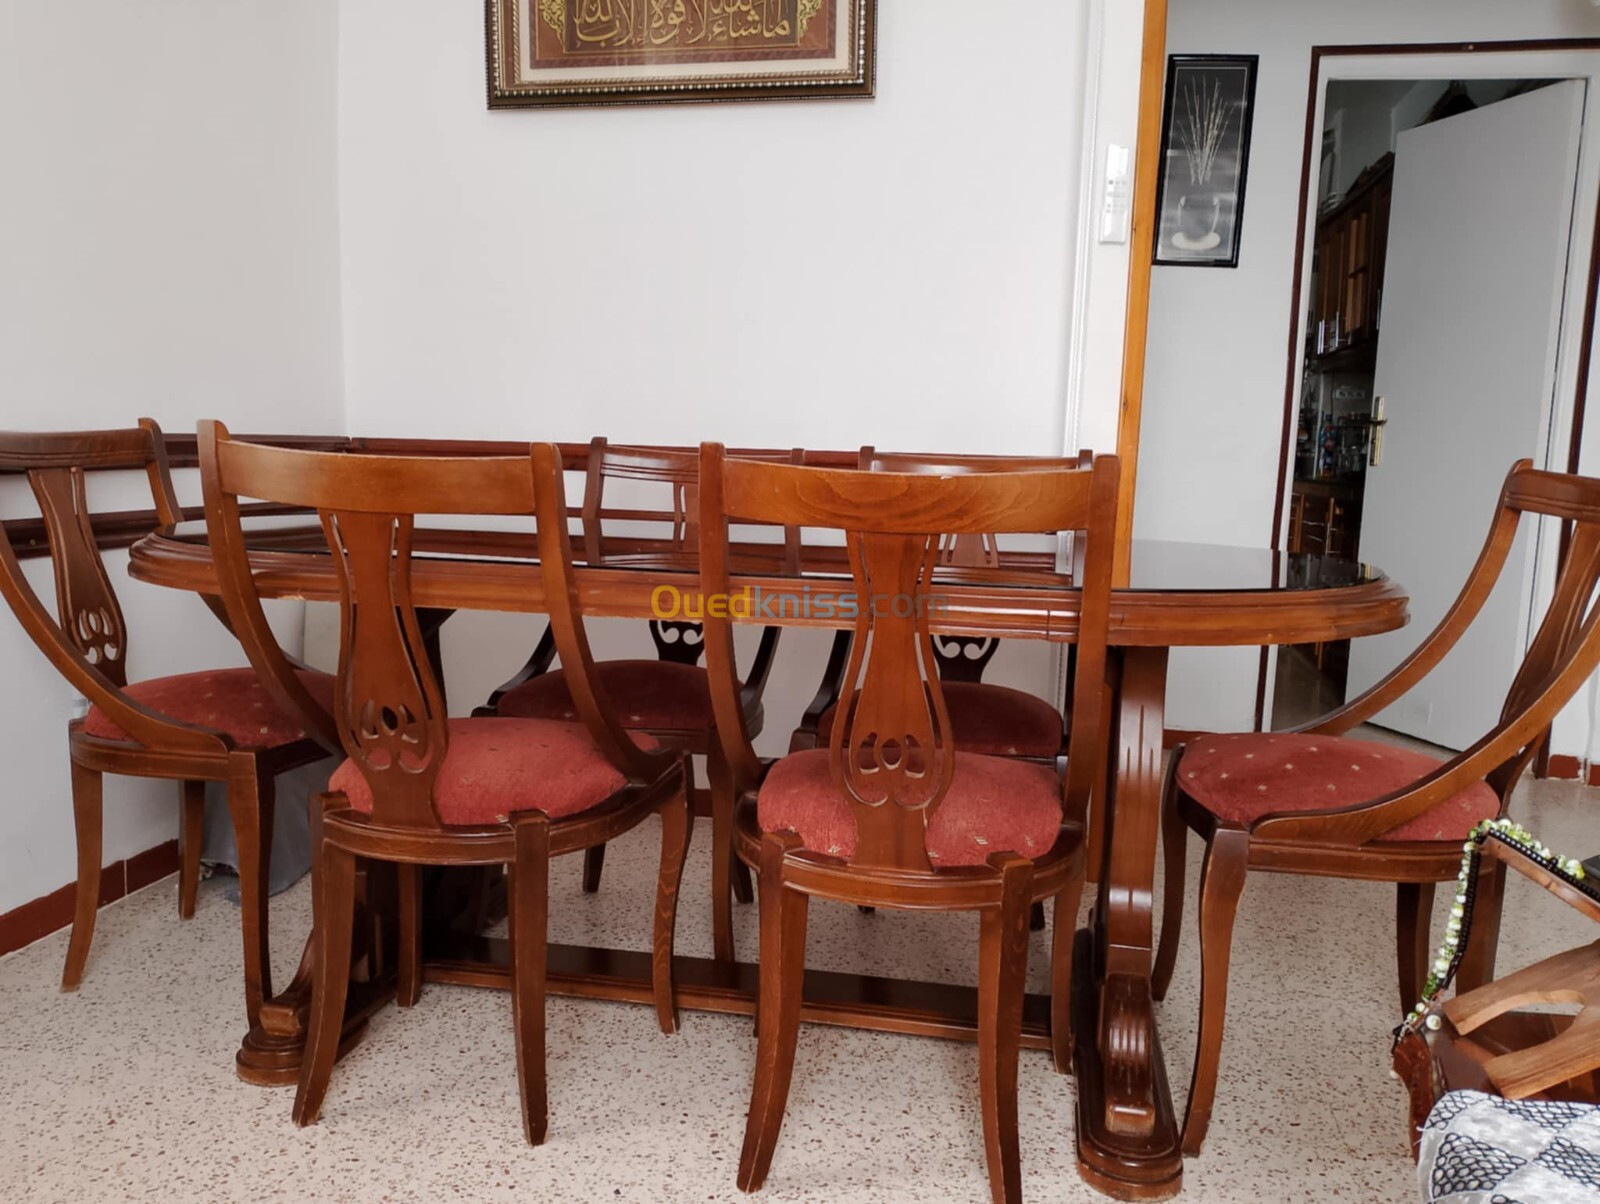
996, 721
646, 694
232, 701
493, 767
1240, 778
994, 805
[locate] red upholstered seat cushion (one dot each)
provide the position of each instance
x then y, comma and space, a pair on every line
232, 701
493, 767
996, 721
1240, 778
647, 694
994, 806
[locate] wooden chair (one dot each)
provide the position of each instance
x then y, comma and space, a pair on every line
220, 725
891, 814
1313, 801
996, 721
1484, 1040
420, 789
667, 698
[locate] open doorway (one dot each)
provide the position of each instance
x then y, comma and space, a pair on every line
1441, 229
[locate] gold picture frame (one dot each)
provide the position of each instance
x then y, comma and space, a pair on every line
544, 53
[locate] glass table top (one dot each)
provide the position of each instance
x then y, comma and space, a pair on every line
1157, 566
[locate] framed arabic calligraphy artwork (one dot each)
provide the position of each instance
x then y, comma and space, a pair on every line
607, 52
1205, 148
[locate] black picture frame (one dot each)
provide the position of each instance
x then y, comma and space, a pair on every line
1205, 156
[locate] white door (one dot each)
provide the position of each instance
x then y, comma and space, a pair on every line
1478, 243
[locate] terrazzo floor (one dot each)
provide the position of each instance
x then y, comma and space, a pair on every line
126, 1091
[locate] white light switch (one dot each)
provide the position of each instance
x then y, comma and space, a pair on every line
1117, 207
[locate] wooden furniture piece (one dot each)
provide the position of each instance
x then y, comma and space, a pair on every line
667, 698
1315, 802
1352, 240
418, 788
984, 718
215, 726
1484, 1040
891, 813
1179, 594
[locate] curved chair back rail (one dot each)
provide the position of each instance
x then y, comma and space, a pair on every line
1563, 653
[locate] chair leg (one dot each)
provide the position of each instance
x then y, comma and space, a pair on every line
1036, 917
1483, 941
251, 796
1221, 884
333, 893
408, 969
594, 860
191, 833
677, 826
783, 966
1175, 850
1002, 968
1061, 943
1413, 915
725, 877
86, 817
530, 928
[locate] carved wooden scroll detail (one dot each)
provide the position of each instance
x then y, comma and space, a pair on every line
390, 710
86, 604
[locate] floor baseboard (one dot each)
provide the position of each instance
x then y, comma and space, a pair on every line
39, 918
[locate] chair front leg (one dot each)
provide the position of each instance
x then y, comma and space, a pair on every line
783, 966
87, 811
1061, 946
677, 826
333, 895
251, 798
191, 834
1221, 884
1002, 969
408, 976
530, 926
1175, 852
1413, 916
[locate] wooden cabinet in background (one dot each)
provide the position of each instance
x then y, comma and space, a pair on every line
1351, 244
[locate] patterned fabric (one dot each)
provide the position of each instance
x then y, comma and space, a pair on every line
996, 721
231, 701
1481, 1149
1243, 777
994, 806
660, 695
493, 767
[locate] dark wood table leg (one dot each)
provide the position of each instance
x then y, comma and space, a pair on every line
1127, 1132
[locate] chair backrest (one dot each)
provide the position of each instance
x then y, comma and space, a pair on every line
890, 749
87, 636
965, 657
1564, 651
389, 710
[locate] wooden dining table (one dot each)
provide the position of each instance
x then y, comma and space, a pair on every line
1178, 595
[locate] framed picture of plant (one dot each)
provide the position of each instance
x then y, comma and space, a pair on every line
1205, 148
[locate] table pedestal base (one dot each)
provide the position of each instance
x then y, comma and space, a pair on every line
1113, 1155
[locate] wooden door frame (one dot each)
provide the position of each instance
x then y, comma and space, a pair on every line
1146, 177
1311, 161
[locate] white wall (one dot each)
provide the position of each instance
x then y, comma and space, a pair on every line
1213, 405
169, 242
896, 271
